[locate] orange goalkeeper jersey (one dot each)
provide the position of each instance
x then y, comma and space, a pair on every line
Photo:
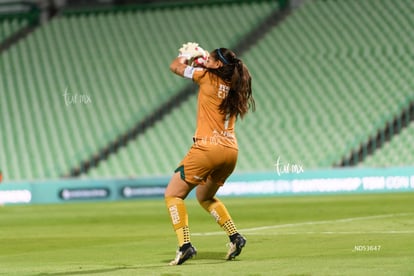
213, 127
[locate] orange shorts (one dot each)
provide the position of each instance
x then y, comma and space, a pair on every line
212, 161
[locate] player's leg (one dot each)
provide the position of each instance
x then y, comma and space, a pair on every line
175, 193
206, 197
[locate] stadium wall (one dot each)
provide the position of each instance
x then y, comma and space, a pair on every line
284, 181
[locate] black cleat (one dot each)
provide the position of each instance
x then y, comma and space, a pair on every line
185, 252
235, 247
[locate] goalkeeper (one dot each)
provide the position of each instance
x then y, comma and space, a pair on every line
225, 93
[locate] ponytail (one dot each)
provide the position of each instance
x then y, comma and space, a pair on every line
239, 99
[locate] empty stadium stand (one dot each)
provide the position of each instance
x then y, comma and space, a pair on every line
80, 81
396, 152
17, 18
327, 81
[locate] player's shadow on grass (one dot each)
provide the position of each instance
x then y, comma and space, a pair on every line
86, 271
205, 256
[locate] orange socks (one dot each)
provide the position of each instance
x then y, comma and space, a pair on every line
221, 215
179, 219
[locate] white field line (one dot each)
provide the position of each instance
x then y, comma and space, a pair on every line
333, 233
279, 226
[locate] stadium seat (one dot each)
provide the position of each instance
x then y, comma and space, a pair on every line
10, 26
396, 152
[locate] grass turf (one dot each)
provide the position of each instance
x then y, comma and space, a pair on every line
313, 235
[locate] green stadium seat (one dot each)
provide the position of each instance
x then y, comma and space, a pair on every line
396, 152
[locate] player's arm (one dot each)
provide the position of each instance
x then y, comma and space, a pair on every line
190, 53
178, 65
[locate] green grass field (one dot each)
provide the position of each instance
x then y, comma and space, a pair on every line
313, 235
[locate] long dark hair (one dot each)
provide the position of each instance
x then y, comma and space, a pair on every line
236, 74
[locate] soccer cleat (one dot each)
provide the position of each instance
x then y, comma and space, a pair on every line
235, 247
185, 252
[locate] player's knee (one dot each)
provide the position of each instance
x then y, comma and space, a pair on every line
171, 192
206, 203
168, 192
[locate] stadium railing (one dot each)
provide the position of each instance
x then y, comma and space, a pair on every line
15, 17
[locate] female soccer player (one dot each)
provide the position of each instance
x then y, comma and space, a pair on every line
224, 94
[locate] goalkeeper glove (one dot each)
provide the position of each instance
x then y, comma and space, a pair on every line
195, 55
